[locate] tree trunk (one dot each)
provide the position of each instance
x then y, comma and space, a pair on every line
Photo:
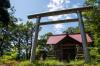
18, 57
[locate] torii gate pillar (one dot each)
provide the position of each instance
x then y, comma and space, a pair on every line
83, 35
33, 49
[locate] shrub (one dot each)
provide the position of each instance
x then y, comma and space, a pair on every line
87, 65
26, 63
77, 62
3, 61
7, 57
98, 64
94, 52
49, 62
10, 55
95, 56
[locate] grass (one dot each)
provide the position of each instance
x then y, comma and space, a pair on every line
26, 63
77, 62
52, 62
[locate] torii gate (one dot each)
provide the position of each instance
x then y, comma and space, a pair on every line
66, 11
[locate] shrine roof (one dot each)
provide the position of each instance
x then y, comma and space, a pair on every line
55, 39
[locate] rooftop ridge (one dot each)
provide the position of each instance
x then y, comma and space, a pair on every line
67, 34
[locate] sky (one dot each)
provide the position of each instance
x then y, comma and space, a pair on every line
29, 7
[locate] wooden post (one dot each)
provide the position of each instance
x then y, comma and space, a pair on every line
84, 39
34, 44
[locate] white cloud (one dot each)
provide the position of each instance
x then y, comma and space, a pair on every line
57, 2
68, 17
77, 5
58, 26
75, 15
55, 17
57, 5
57, 31
67, 1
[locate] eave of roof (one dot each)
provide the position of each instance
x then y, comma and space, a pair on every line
57, 38
79, 38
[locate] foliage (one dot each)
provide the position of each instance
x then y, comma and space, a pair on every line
92, 24
52, 62
23, 35
43, 39
26, 63
94, 51
92, 20
41, 44
38, 54
48, 62
8, 57
5, 33
72, 30
95, 56
12, 54
4, 15
5, 61
17, 38
76, 62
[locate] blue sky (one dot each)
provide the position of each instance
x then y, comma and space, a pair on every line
29, 7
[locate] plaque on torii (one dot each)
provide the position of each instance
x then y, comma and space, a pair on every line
61, 12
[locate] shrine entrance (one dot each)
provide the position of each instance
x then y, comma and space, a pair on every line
69, 53
78, 11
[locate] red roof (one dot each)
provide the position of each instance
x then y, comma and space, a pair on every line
57, 38
78, 38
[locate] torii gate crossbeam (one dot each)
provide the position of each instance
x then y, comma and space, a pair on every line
66, 11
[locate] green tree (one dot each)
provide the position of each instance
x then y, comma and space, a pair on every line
23, 38
42, 44
43, 39
92, 24
92, 20
72, 30
6, 22
4, 15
